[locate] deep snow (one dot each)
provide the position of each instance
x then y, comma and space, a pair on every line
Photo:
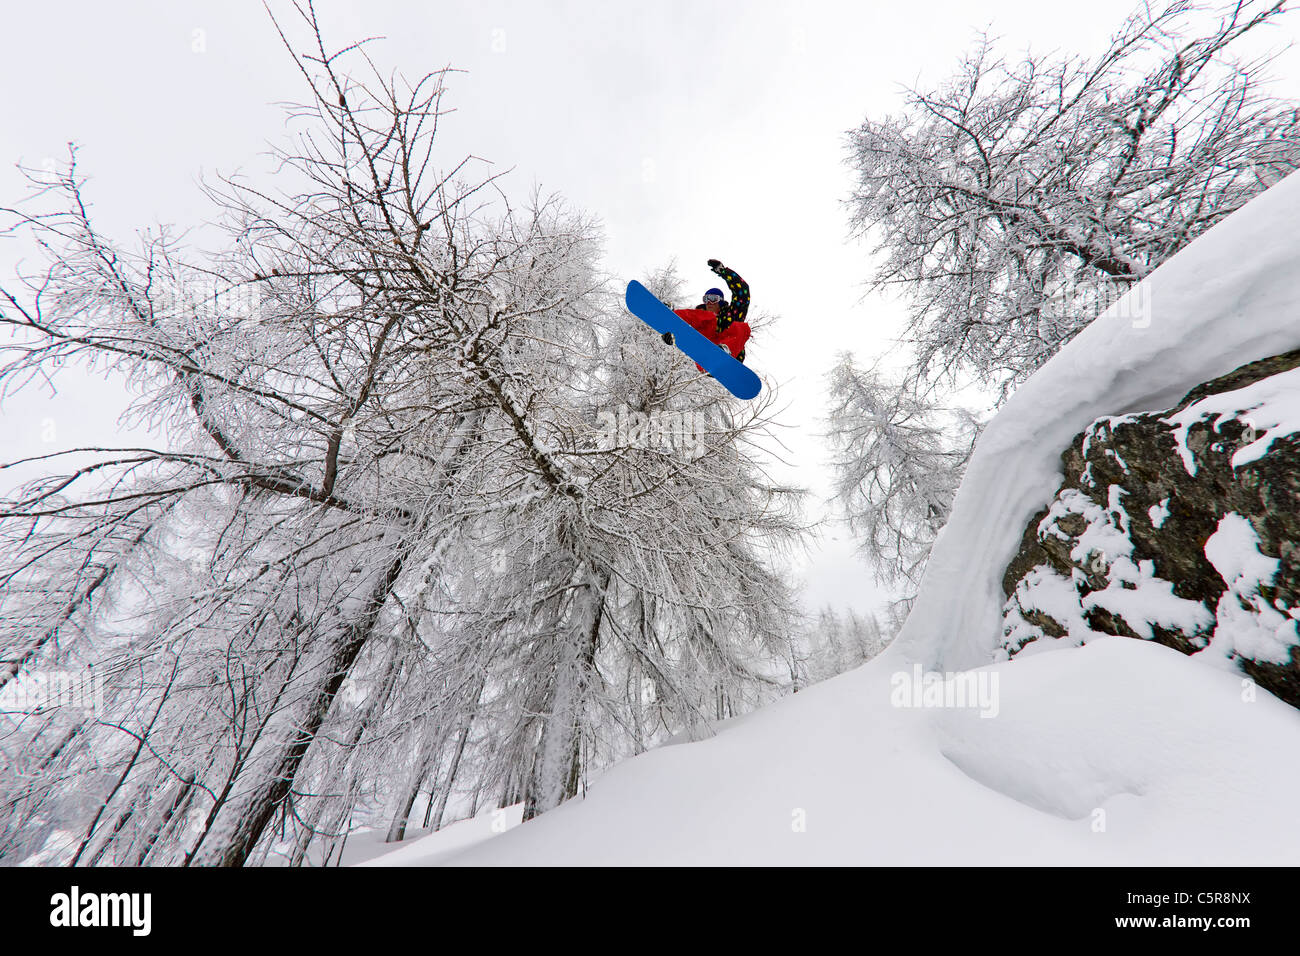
1119, 752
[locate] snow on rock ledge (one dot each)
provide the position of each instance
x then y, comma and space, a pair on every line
1180, 527
1230, 298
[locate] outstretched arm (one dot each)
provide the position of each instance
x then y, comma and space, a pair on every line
739, 290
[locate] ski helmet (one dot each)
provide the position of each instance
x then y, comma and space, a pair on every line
717, 292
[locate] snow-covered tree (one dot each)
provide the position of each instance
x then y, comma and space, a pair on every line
1018, 200
834, 643
897, 459
651, 607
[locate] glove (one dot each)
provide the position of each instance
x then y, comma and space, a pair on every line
715, 265
668, 338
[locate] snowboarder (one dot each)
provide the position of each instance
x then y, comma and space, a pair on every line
721, 322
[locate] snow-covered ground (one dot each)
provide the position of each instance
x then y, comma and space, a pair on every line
1117, 752
424, 849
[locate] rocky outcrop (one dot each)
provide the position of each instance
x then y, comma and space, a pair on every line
1179, 526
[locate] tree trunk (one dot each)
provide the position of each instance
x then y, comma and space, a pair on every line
559, 766
272, 792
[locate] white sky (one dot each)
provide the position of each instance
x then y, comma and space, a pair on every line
692, 129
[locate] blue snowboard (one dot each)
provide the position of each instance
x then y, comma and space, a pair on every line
733, 374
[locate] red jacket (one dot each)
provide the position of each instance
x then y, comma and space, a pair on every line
734, 336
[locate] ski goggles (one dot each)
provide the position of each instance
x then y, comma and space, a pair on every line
713, 298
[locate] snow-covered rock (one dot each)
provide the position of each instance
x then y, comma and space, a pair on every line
1179, 526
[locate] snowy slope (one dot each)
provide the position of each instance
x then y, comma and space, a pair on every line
1227, 299
425, 849
1118, 753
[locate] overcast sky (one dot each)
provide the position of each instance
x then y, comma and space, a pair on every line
691, 129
